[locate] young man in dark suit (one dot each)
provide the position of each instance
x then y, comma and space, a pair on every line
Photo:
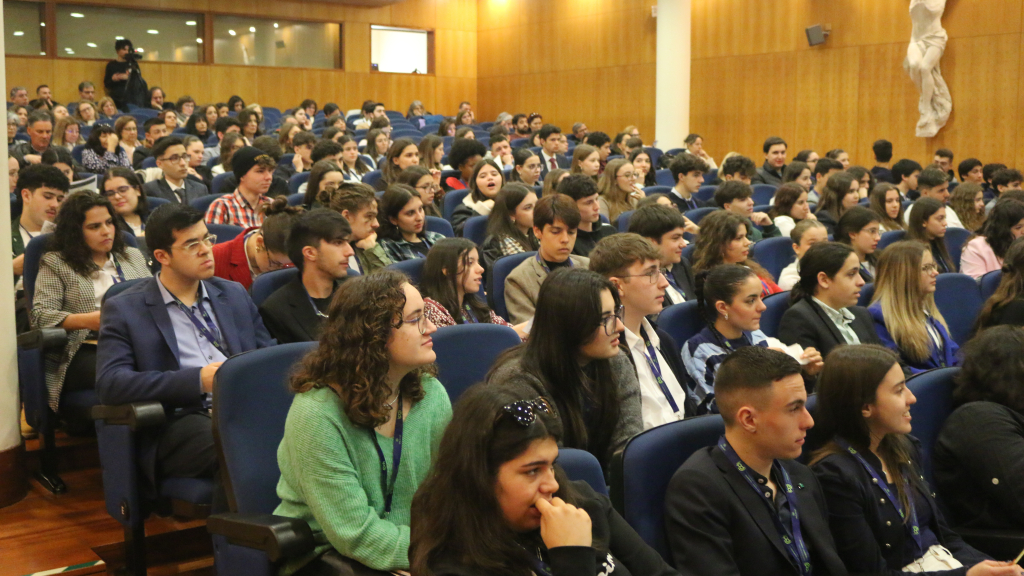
319, 247
551, 140
664, 227
688, 171
744, 506
172, 157
164, 339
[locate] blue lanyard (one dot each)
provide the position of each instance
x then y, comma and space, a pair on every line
468, 316
671, 278
765, 290
545, 266
747, 341
313, 304
912, 525
655, 366
386, 487
209, 331
792, 537
538, 566
120, 274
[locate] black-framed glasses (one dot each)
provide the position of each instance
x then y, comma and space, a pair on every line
122, 190
420, 322
176, 158
524, 412
610, 322
652, 275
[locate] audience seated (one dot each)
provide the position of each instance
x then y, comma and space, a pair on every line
841, 193
1006, 305
103, 151
716, 503
664, 227
222, 127
583, 190
979, 452
484, 183
510, 224
774, 162
799, 173
422, 181
521, 514
688, 173
526, 167
641, 161
302, 158
824, 169
550, 159
124, 190
586, 160
790, 207
42, 188
968, 202
254, 171
153, 130
174, 186
319, 247
573, 358
737, 198
723, 240
464, 156
633, 265
882, 513
904, 311
737, 168
985, 253
358, 204
858, 229
39, 128
927, 224
824, 313
885, 202
617, 189
403, 233
324, 179
85, 255
258, 249
402, 154
354, 168
933, 183
864, 177
1003, 180
367, 391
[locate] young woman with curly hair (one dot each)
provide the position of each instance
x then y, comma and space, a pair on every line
364, 426
723, 240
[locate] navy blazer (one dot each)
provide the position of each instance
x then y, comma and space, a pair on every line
939, 358
869, 533
562, 161
194, 189
806, 324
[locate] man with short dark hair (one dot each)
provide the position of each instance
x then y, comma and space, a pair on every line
165, 338
39, 128
579, 132
904, 176
325, 150
254, 171
175, 186
745, 506
555, 219
883, 156
521, 125
550, 141
688, 173
603, 143
738, 198
664, 227
1003, 180
222, 126
774, 162
987, 172
823, 170
319, 247
87, 91
737, 168
302, 161
971, 170
155, 129
501, 152
44, 98
371, 111
19, 96
944, 159
632, 264
591, 229
933, 183
42, 189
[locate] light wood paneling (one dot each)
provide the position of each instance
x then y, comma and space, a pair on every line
357, 46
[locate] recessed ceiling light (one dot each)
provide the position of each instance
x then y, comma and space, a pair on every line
275, 24
19, 33
190, 23
199, 40
153, 31
139, 50
77, 15
252, 28
42, 53
43, 24
91, 44
231, 32
68, 50
118, 37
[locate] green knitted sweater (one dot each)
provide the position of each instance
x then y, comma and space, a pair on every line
330, 476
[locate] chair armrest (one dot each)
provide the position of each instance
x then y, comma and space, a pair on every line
999, 544
43, 338
615, 482
279, 537
136, 416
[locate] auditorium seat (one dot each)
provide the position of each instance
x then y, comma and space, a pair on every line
664, 178
774, 254
451, 201
706, 193
411, 268
989, 283
502, 268
203, 202
296, 181
439, 225
763, 193
267, 283
888, 238
623, 220
456, 369
682, 321
958, 298
955, 240
776, 306
475, 229
224, 232
650, 190
697, 215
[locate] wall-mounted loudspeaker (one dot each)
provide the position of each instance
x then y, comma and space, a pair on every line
816, 35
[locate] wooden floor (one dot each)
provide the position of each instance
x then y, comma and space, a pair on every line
43, 531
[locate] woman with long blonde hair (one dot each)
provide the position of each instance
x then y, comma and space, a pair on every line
904, 311
617, 189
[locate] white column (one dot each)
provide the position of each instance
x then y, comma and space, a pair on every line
672, 103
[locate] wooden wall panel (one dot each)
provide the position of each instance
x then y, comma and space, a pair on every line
356, 38
827, 102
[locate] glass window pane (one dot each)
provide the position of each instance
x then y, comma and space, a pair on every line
257, 42
23, 30
90, 32
399, 50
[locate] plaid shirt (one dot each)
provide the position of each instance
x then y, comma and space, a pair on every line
401, 250
234, 209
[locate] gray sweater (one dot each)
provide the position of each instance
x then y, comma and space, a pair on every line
511, 374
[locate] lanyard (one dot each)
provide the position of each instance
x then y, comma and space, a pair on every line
388, 488
544, 264
765, 290
940, 348
313, 304
120, 274
912, 526
670, 277
468, 316
652, 361
746, 341
793, 537
209, 331
538, 566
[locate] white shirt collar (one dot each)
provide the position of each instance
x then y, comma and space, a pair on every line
635, 342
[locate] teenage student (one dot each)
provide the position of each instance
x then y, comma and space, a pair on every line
174, 186
688, 172
790, 208
903, 308
254, 172
858, 229
1006, 304
510, 224
986, 252
737, 197
927, 224
403, 234
886, 204
583, 190
774, 162
882, 513
42, 189
366, 401
664, 227
840, 194
526, 167
573, 358
933, 183
824, 169
744, 506
555, 220
618, 190
550, 159
804, 235
319, 247
422, 181
723, 240
633, 265
358, 204
484, 184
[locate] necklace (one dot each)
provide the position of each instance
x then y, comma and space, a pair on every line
389, 404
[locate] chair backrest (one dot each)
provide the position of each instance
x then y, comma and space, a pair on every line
475, 229
934, 392
649, 190
502, 268
458, 370
155, 202
582, 465
867, 292
688, 252
372, 177
763, 193
698, 214
452, 201
149, 162
890, 237
439, 225
218, 182
76, 153
640, 474
120, 287
411, 268
266, 284
706, 193
777, 304
774, 254
712, 175
203, 202
297, 180
252, 404
296, 199
285, 159
989, 283
955, 239
224, 232
654, 154
959, 299
664, 177
682, 321
623, 221
34, 251
446, 174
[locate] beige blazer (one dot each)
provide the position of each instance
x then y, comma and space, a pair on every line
523, 285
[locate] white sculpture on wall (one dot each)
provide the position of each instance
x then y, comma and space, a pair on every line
927, 43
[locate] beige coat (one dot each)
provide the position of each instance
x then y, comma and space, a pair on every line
523, 285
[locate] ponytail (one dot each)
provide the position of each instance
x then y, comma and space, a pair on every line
719, 284
827, 257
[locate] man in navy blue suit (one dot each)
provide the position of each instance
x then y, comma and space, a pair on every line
164, 339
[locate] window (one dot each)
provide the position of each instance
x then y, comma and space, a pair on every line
23, 29
255, 42
90, 32
400, 50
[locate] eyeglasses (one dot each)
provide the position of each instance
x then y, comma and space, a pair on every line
122, 190
176, 158
929, 268
426, 187
610, 322
629, 176
420, 322
653, 275
524, 412
192, 248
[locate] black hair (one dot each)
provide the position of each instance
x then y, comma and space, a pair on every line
749, 369
165, 221
577, 186
391, 204
93, 143
122, 43
57, 154
313, 227
903, 169
882, 150
989, 170
966, 166
827, 257
650, 178
803, 155
684, 164
440, 280
734, 165
224, 122
732, 191
499, 222
655, 221
547, 130
190, 125
853, 221
944, 153
773, 141
36, 176
462, 150
519, 157
323, 149
721, 283
474, 192
599, 139
161, 145
998, 224
68, 238
233, 101
149, 123
133, 180
1005, 176
826, 165
931, 177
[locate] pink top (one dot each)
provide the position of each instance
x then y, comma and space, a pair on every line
441, 317
979, 259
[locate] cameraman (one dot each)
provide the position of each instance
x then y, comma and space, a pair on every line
123, 78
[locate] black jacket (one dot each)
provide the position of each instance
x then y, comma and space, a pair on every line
682, 273
806, 324
161, 189
459, 216
869, 533
585, 241
978, 464
768, 175
716, 525
693, 204
289, 316
628, 553
827, 220
561, 160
